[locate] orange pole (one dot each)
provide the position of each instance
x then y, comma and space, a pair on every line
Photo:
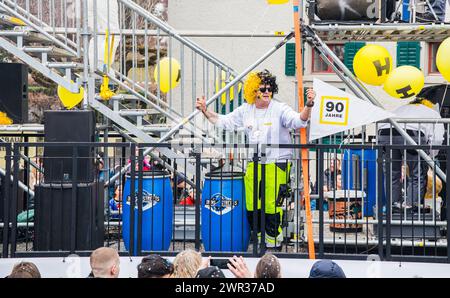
303, 140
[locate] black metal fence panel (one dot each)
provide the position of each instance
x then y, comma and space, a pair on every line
234, 200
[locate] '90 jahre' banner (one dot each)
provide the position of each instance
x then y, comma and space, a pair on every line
336, 111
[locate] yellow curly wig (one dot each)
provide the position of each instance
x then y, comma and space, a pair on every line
251, 86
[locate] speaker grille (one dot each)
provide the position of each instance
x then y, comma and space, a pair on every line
69, 127
54, 213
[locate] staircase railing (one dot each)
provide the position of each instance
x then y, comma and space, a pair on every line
139, 53
141, 41
138, 47
45, 17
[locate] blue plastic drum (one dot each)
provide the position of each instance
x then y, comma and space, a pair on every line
352, 171
157, 212
224, 216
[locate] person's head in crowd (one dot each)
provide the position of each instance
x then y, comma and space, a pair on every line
105, 263
335, 165
99, 161
187, 263
268, 267
25, 270
155, 266
326, 269
118, 193
210, 272
339, 181
181, 180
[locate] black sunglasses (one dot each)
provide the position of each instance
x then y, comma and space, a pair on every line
264, 89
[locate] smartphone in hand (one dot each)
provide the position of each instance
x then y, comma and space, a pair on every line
220, 263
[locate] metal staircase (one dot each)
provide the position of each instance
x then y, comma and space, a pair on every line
46, 39
40, 50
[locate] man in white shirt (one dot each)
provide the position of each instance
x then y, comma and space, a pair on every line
422, 133
266, 121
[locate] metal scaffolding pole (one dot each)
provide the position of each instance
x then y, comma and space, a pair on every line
86, 71
183, 33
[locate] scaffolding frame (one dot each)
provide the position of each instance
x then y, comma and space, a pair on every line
357, 87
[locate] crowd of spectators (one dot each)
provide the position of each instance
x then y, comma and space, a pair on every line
105, 263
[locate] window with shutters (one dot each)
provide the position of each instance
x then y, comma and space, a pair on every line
289, 67
408, 53
432, 51
350, 50
320, 66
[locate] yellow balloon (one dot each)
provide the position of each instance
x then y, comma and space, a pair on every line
277, 1
220, 83
69, 99
443, 59
404, 81
372, 64
170, 74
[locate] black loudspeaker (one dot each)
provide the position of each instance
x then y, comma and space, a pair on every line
14, 91
54, 212
69, 127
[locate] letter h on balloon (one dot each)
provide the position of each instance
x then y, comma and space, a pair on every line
380, 68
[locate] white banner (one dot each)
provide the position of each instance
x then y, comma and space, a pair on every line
336, 111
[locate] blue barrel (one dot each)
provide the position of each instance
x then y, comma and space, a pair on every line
406, 13
157, 212
224, 225
354, 162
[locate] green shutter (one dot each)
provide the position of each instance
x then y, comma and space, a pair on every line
408, 53
223, 110
289, 67
350, 50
